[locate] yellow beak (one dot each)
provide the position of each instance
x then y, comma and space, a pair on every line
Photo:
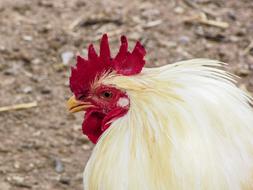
75, 105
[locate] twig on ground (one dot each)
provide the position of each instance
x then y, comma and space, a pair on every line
153, 23
18, 106
202, 19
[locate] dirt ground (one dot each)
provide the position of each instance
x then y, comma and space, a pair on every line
42, 148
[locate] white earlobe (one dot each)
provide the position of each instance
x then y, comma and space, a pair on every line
123, 102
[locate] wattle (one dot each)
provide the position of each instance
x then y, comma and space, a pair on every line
92, 124
96, 122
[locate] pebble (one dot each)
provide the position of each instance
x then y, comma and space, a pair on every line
27, 38
76, 127
58, 165
16, 165
179, 10
45, 91
169, 44
36, 61
19, 181
27, 89
37, 134
65, 180
86, 147
66, 57
10, 72
234, 39
184, 39
231, 14
243, 70
2, 48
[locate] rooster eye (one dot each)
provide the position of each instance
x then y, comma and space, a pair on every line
106, 94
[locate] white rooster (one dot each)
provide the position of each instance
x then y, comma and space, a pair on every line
183, 126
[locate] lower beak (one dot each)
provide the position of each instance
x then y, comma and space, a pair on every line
75, 105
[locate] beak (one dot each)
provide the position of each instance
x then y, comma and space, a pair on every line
75, 105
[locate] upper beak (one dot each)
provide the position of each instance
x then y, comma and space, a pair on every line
75, 105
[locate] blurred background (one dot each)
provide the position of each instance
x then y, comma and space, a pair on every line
41, 144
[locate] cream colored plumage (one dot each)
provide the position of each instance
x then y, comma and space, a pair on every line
188, 128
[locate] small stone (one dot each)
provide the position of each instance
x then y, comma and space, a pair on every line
179, 10
209, 45
243, 71
37, 134
27, 89
59, 168
36, 61
27, 38
76, 127
19, 181
45, 28
66, 57
169, 44
45, 91
65, 180
16, 165
184, 39
231, 14
234, 39
86, 147
10, 71
199, 31
31, 166
2, 48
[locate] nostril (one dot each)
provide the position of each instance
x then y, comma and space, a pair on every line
81, 97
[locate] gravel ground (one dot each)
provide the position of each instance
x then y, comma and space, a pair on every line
42, 148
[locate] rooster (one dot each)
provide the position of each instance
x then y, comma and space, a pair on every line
183, 126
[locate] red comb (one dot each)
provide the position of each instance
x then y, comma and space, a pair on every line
124, 63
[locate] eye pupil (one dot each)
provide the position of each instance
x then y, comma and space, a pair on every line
107, 94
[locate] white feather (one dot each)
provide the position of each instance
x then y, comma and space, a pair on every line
188, 128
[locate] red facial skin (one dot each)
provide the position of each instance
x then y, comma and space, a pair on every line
106, 109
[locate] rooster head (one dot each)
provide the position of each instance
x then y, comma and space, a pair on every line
102, 103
